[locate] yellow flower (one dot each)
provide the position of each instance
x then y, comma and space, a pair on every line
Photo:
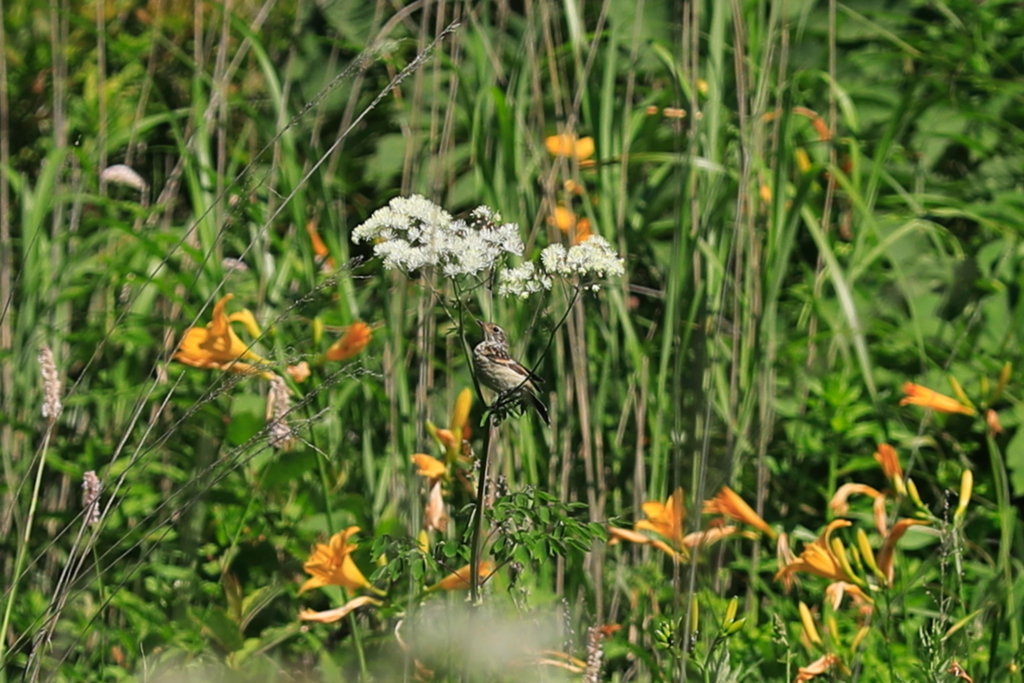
216, 346
568, 145
818, 557
332, 564
459, 579
918, 395
428, 466
729, 503
355, 339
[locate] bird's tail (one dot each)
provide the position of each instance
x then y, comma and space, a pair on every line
539, 406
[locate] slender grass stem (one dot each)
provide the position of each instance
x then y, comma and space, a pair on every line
19, 562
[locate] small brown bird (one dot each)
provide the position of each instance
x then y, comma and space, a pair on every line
499, 372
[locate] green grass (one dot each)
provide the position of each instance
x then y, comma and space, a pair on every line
815, 205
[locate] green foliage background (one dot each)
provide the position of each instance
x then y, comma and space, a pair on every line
816, 202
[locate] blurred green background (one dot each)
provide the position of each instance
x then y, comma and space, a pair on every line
815, 203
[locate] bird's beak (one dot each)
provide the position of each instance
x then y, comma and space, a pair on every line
481, 323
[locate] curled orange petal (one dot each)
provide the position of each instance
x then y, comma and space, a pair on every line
730, 504
338, 613
459, 579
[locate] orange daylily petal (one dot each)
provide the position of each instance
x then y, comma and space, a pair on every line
618, 534
890, 461
355, 339
992, 420
923, 396
459, 579
332, 615
835, 591
319, 248
435, 514
838, 503
709, 536
428, 466
562, 218
566, 221
816, 668
248, 320
887, 554
568, 145
730, 504
446, 437
299, 372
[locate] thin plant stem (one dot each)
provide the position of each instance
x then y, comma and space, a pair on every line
19, 561
364, 673
478, 516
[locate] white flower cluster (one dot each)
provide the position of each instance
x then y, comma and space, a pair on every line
413, 232
593, 258
522, 281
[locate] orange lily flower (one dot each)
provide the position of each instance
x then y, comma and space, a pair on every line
886, 555
729, 503
568, 145
818, 558
355, 339
665, 519
216, 346
918, 395
332, 564
459, 579
577, 228
428, 466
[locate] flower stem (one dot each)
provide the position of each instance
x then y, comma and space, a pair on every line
478, 512
364, 673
